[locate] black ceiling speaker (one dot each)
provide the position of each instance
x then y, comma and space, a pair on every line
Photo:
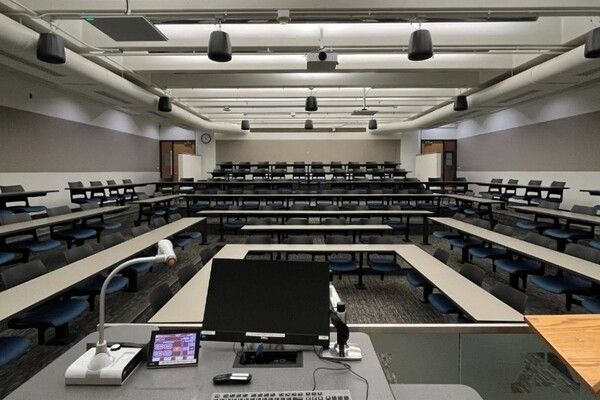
308, 124
51, 48
164, 104
245, 125
372, 124
592, 44
311, 104
419, 45
460, 103
219, 46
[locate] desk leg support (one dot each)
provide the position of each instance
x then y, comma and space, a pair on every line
360, 285
425, 231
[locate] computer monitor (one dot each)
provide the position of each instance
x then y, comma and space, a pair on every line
267, 301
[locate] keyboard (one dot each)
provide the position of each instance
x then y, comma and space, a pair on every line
285, 395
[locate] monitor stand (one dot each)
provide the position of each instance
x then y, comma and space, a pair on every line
351, 352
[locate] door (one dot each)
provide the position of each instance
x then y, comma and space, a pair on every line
169, 157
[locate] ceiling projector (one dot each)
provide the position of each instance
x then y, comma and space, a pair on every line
321, 62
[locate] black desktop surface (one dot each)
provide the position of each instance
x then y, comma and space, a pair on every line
266, 301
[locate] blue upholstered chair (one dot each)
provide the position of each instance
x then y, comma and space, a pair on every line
415, 279
53, 313
540, 223
595, 244
570, 234
443, 304
568, 284
91, 287
22, 208
397, 223
459, 206
12, 347
450, 234
382, 263
232, 224
70, 233
521, 267
299, 239
150, 212
341, 263
6, 257
133, 271
426, 204
98, 223
195, 235
177, 241
28, 242
467, 242
492, 252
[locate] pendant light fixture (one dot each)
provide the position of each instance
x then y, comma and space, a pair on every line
311, 102
460, 103
308, 124
245, 125
420, 46
372, 124
51, 48
164, 104
219, 46
592, 44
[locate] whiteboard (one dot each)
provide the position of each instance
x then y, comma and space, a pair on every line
190, 166
428, 166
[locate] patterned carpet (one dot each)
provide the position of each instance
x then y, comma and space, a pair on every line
392, 300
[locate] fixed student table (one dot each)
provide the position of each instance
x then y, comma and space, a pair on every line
482, 201
575, 338
566, 215
239, 198
473, 300
35, 291
8, 197
578, 266
195, 383
153, 201
324, 213
310, 228
13, 229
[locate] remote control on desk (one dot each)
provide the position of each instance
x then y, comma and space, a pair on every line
238, 378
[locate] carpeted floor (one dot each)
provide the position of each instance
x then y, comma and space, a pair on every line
391, 300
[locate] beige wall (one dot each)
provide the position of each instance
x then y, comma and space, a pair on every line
308, 150
566, 144
31, 142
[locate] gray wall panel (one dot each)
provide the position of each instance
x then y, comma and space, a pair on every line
308, 150
31, 142
567, 144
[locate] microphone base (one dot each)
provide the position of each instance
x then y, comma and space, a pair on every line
125, 361
351, 352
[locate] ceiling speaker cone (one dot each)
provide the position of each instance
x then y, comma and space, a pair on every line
219, 46
308, 124
373, 124
245, 125
311, 104
164, 104
51, 48
420, 46
592, 44
460, 103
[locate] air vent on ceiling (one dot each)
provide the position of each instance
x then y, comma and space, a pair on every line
112, 96
519, 96
157, 114
589, 72
31, 64
128, 28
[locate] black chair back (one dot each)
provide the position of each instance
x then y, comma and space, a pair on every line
504, 229
112, 239
442, 255
473, 273
338, 239
206, 254
22, 273
140, 230
61, 210
259, 239
159, 296
78, 253
511, 296
583, 252
185, 274
540, 240
301, 239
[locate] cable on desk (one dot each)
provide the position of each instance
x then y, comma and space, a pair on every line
345, 367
